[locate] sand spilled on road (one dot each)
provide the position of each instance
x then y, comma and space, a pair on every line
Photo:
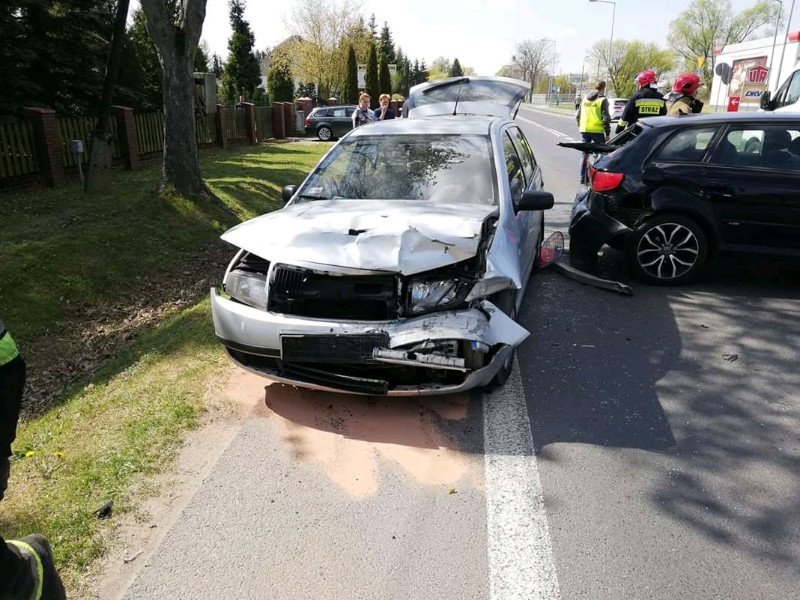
352, 438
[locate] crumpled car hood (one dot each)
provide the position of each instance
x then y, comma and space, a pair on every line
399, 236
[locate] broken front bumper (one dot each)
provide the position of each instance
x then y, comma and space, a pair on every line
368, 357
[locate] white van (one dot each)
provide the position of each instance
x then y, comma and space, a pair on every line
787, 98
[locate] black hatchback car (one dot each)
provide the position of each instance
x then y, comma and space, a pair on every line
330, 122
672, 192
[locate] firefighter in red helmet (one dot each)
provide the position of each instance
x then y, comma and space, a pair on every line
686, 103
646, 102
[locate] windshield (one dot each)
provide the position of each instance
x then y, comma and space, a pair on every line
437, 168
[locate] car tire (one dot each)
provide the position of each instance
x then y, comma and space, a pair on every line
507, 302
324, 133
667, 250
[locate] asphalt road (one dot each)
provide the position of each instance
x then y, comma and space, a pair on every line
645, 447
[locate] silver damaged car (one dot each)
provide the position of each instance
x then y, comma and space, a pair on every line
398, 265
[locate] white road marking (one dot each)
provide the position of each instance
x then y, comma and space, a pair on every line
547, 129
521, 563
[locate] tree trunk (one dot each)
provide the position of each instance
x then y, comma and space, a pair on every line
180, 168
176, 41
99, 177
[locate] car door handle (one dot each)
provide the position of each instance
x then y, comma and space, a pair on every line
720, 191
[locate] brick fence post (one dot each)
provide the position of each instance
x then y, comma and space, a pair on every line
289, 118
48, 146
278, 129
222, 130
128, 138
250, 121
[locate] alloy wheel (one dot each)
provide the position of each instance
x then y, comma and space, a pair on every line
324, 134
668, 251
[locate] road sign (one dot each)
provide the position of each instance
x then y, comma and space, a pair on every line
733, 103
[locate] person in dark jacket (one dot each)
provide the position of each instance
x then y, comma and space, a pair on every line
646, 102
27, 570
383, 112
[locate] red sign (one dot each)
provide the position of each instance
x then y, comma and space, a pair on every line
733, 104
757, 74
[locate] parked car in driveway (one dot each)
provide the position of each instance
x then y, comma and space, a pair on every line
398, 265
674, 192
330, 122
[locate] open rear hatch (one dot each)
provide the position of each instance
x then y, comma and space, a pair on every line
488, 96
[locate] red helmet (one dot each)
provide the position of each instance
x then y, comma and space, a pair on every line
646, 77
686, 84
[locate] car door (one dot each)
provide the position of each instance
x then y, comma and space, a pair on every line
517, 185
787, 99
532, 220
341, 120
753, 180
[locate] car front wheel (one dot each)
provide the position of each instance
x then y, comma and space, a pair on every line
324, 133
667, 250
507, 302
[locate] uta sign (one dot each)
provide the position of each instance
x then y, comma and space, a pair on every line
757, 74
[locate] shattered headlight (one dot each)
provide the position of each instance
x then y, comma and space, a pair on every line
429, 295
248, 288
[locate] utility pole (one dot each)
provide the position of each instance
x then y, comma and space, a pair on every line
785, 38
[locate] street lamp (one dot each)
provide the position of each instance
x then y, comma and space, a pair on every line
553, 74
613, 18
774, 43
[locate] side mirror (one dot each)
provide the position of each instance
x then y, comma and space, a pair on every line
535, 200
653, 176
766, 101
288, 192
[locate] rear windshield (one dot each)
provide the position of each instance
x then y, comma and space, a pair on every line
628, 135
437, 168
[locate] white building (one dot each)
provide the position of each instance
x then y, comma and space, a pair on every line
751, 72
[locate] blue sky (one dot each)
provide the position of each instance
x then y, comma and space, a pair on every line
481, 33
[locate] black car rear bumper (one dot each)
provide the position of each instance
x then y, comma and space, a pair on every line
590, 227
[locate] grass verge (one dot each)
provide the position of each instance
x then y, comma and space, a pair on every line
68, 259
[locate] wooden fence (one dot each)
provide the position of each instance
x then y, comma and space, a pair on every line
263, 115
150, 133
37, 148
80, 128
19, 164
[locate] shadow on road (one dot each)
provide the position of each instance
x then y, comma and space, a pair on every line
706, 375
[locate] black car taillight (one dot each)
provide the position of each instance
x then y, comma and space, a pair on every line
604, 181
308, 121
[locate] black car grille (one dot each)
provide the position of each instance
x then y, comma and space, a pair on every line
306, 293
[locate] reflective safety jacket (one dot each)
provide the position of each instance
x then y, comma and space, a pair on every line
685, 105
646, 102
8, 349
593, 115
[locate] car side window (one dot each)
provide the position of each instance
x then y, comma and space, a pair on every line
766, 147
516, 178
339, 112
687, 145
793, 91
525, 153
349, 111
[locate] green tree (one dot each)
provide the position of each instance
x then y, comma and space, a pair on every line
350, 87
371, 81
201, 58
280, 83
216, 65
440, 67
386, 45
424, 75
455, 69
242, 73
620, 64
384, 77
709, 24
372, 26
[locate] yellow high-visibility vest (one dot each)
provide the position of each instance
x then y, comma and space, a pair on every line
8, 349
592, 115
